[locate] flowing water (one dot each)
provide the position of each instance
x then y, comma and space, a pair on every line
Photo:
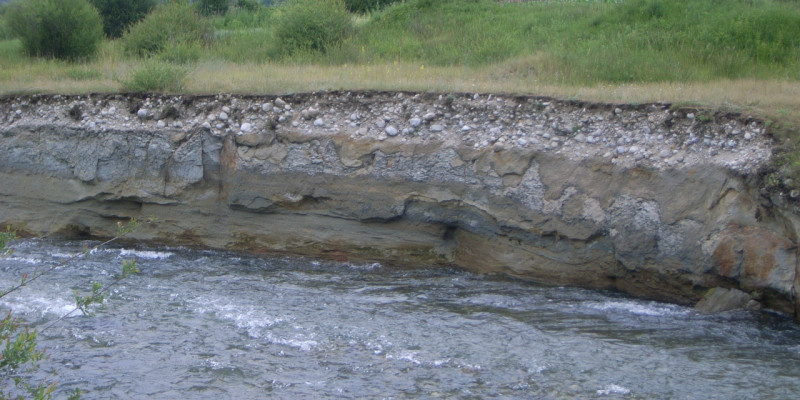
215, 325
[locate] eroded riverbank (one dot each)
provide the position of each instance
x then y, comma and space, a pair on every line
656, 202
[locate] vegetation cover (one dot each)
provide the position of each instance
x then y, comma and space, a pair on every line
365, 6
740, 54
169, 26
118, 15
65, 29
312, 26
210, 7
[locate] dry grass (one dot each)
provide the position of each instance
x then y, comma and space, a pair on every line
773, 99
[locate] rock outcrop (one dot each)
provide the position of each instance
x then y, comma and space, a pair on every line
656, 202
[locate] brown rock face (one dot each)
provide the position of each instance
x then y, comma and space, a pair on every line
620, 200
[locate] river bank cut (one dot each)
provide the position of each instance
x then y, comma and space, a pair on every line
653, 200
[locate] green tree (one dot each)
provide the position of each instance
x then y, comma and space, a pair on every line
118, 15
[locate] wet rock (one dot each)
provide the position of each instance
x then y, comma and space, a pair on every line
722, 299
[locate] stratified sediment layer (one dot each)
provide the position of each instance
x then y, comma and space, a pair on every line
653, 201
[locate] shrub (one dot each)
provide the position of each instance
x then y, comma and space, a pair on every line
168, 25
249, 5
156, 76
118, 15
365, 6
312, 25
210, 7
65, 29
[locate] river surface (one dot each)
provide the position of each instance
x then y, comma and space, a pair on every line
215, 325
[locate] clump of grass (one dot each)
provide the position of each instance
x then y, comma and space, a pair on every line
156, 76
81, 73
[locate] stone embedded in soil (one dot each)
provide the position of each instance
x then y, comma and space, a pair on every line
650, 133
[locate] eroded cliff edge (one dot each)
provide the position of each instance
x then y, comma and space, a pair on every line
656, 202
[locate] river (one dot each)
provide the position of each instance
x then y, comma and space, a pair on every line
217, 325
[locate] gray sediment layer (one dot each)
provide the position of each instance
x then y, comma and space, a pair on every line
657, 202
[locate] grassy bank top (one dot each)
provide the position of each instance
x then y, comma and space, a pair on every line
741, 54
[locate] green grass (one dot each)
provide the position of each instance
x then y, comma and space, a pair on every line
587, 43
156, 76
561, 42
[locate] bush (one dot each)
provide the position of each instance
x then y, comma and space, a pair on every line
365, 6
312, 25
249, 5
156, 76
64, 29
118, 15
169, 24
210, 7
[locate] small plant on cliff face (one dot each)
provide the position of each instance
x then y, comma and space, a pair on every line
65, 29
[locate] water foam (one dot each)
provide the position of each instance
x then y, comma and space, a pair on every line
649, 309
27, 260
249, 318
298, 343
365, 267
613, 389
39, 305
146, 254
